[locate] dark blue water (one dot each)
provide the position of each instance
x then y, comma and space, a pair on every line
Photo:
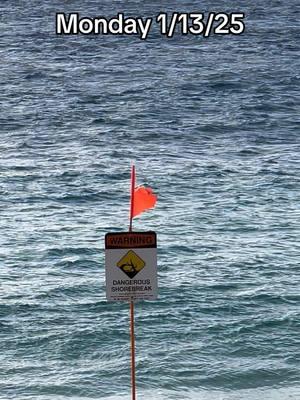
213, 127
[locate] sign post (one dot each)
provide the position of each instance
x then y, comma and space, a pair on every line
131, 266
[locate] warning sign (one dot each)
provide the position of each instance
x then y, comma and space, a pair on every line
131, 266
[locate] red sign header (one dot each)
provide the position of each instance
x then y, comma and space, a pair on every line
127, 240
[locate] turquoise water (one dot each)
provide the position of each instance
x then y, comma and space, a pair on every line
213, 127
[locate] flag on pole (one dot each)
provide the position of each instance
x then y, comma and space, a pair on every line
142, 198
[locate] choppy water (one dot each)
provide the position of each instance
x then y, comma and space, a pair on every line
213, 126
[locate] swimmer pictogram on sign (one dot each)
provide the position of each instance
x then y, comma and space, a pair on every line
131, 264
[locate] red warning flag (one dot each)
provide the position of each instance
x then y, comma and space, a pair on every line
143, 200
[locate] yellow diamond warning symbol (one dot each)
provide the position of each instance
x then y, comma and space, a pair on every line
131, 264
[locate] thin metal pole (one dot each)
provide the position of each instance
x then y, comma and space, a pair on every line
132, 337
132, 196
132, 340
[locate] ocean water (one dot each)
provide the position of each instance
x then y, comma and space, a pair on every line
212, 125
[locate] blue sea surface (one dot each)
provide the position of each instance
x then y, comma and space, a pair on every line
212, 125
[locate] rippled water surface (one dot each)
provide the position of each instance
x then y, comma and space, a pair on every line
213, 127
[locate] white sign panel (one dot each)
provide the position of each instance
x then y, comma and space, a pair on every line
131, 266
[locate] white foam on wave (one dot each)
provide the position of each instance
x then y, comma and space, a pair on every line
289, 393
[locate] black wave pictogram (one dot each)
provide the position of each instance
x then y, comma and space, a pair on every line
131, 264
